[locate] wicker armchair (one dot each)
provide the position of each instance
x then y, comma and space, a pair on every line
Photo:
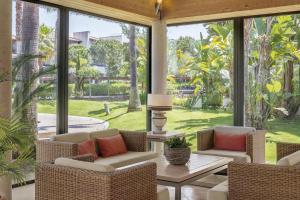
255, 144
67, 145
263, 182
57, 182
285, 149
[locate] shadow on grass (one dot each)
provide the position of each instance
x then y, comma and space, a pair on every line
102, 111
194, 123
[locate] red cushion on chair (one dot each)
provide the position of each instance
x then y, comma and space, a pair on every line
110, 146
87, 147
229, 141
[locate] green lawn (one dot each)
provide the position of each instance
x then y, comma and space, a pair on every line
178, 119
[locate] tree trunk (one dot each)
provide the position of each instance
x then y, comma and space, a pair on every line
288, 75
19, 16
30, 40
247, 34
134, 97
262, 77
5, 82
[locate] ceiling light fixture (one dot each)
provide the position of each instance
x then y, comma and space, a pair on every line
158, 8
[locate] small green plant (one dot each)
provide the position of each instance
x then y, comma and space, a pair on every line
177, 142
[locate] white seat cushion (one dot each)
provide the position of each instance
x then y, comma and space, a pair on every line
67, 162
162, 193
290, 160
236, 155
126, 159
219, 192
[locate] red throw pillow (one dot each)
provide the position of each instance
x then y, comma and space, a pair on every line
87, 147
110, 146
229, 141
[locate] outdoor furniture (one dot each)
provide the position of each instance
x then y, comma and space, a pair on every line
198, 167
66, 145
63, 180
284, 149
255, 144
261, 181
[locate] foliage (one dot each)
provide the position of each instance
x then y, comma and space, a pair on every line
15, 136
107, 88
79, 60
177, 142
46, 42
108, 53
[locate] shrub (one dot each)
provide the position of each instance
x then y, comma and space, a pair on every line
103, 89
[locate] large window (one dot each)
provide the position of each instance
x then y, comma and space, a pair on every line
107, 74
35, 65
200, 75
272, 92
34, 70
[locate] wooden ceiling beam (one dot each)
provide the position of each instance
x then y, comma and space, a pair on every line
137, 11
181, 11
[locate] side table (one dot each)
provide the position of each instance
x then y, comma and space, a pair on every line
156, 141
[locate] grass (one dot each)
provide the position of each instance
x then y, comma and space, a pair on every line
187, 121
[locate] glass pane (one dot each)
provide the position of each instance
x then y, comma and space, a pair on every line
272, 80
200, 76
107, 74
34, 67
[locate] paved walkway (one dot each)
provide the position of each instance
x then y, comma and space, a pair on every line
47, 124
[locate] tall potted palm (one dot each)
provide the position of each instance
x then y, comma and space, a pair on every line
15, 136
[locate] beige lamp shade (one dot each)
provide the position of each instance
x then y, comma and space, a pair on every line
159, 102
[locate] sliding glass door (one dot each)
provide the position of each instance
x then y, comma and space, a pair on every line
108, 63
200, 76
272, 92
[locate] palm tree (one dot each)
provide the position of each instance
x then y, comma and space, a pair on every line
134, 97
30, 43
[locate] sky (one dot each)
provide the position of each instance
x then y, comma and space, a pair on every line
101, 28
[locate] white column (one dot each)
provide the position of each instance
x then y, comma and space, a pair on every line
159, 57
159, 65
5, 86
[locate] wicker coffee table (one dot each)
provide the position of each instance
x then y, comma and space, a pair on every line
198, 167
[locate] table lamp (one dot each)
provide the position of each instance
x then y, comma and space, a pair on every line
159, 103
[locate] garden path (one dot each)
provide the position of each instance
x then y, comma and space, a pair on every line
47, 124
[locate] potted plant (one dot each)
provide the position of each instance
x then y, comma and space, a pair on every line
177, 151
15, 136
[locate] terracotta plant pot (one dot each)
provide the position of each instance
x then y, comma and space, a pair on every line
177, 156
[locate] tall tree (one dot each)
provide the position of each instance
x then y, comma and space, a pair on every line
30, 43
134, 97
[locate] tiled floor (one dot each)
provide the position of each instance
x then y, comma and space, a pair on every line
188, 193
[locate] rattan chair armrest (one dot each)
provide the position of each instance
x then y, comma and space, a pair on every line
48, 151
255, 146
135, 140
285, 149
205, 139
263, 182
139, 181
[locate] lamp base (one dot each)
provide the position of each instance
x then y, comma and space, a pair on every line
159, 121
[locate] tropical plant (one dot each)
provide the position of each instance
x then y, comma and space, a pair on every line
177, 142
25, 89
79, 60
15, 137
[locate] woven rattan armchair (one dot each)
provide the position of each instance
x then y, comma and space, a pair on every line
57, 182
263, 182
285, 149
255, 142
50, 149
